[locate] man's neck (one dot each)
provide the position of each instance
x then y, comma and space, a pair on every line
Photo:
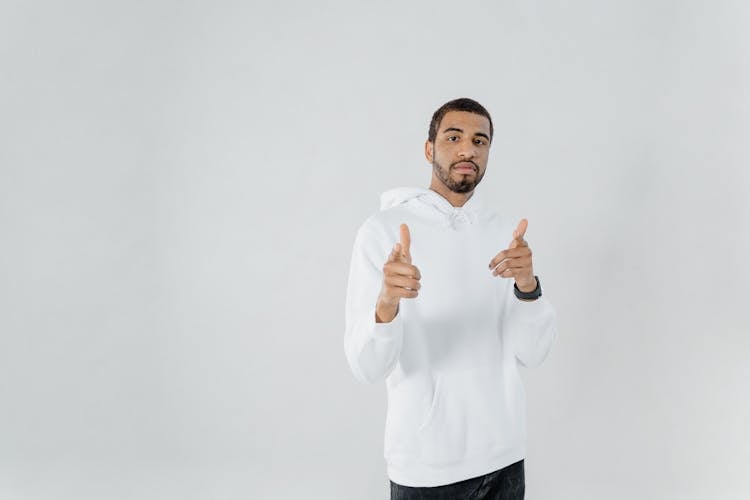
455, 199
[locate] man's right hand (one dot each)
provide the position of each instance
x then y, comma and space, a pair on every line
400, 279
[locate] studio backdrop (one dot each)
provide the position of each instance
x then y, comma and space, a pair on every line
181, 184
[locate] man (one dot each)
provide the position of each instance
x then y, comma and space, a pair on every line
445, 316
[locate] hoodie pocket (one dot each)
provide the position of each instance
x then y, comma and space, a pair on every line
429, 416
410, 407
470, 415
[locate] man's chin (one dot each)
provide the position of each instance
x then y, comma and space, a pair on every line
463, 188
463, 184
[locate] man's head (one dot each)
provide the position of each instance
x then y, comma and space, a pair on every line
458, 145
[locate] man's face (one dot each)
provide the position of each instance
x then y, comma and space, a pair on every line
460, 151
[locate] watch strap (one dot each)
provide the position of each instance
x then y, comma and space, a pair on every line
532, 295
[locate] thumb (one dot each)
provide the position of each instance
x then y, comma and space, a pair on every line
395, 253
405, 242
520, 231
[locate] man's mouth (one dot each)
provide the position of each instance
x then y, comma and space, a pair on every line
465, 167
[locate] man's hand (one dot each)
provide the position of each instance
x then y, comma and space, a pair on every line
400, 279
515, 261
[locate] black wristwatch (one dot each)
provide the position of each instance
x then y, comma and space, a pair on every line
529, 296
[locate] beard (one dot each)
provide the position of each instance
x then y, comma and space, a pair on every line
458, 183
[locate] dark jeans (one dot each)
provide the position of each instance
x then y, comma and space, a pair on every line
507, 483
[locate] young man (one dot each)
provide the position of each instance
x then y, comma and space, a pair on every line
445, 316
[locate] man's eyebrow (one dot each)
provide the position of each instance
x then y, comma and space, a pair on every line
454, 129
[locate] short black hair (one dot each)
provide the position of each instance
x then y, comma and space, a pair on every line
461, 104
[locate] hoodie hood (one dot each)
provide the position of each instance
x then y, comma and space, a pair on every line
397, 196
454, 217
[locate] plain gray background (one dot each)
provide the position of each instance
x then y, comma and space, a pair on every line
180, 186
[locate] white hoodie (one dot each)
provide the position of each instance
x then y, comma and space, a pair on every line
456, 403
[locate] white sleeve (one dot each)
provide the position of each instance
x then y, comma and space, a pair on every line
372, 349
531, 328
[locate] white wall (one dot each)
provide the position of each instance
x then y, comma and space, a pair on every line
180, 183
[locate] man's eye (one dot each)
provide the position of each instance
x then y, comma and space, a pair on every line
453, 138
479, 141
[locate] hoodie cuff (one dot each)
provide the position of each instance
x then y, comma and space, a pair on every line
394, 329
379, 348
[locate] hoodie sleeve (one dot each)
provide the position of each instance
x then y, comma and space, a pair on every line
531, 328
372, 349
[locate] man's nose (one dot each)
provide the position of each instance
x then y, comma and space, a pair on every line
467, 152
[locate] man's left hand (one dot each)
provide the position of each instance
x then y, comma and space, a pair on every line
515, 261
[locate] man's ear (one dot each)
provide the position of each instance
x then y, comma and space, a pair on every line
428, 150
